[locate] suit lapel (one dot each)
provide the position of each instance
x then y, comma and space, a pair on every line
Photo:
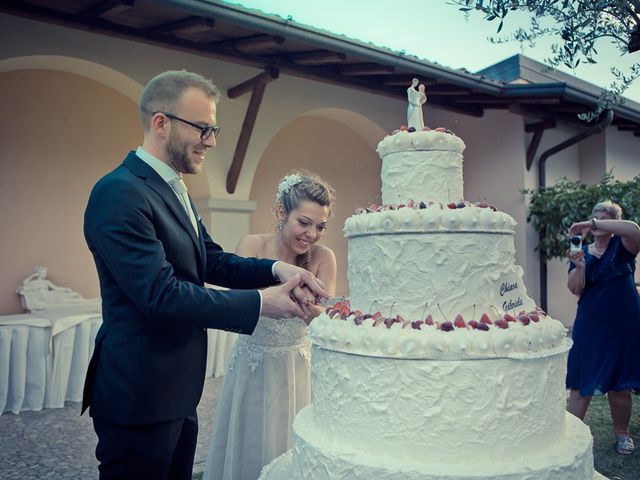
158, 185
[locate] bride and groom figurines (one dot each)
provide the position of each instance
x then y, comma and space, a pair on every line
417, 97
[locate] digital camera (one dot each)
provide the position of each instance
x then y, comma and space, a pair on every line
576, 244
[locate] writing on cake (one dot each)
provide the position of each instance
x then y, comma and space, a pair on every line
507, 287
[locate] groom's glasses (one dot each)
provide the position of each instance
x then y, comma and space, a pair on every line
205, 132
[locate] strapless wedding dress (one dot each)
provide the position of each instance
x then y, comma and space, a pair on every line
267, 382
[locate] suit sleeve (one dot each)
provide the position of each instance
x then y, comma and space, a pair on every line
120, 232
233, 271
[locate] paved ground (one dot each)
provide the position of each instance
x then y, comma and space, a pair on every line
60, 444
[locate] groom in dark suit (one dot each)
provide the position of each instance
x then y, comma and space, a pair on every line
153, 256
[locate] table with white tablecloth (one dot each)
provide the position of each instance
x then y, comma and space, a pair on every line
25, 353
220, 344
43, 360
44, 357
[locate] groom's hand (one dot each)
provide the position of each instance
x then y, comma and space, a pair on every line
277, 301
314, 287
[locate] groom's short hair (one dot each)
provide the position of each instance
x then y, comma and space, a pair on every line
164, 91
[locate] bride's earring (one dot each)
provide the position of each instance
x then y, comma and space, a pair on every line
281, 217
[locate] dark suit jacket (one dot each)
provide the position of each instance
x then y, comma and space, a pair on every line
150, 354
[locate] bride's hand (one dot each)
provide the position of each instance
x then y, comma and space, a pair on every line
307, 301
285, 271
303, 297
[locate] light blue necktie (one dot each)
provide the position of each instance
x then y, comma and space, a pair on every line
181, 190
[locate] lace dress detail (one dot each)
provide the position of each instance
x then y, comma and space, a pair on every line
268, 381
272, 337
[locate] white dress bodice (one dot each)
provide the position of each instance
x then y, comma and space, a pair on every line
272, 337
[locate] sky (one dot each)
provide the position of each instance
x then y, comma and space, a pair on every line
437, 31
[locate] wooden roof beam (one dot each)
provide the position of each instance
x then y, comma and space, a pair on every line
529, 111
542, 113
541, 125
256, 86
630, 128
485, 99
320, 57
470, 110
366, 69
572, 108
251, 44
537, 129
189, 26
107, 8
444, 89
395, 80
247, 86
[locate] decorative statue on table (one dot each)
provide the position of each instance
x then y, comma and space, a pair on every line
417, 98
38, 293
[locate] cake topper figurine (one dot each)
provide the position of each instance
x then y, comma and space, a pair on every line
417, 98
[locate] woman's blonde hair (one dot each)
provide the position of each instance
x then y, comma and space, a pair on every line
301, 185
612, 209
295, 187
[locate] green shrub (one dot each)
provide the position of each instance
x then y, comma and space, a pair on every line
553, 209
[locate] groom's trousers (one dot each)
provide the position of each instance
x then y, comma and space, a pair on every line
162, 451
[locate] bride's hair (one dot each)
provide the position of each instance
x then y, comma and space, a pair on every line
301, 185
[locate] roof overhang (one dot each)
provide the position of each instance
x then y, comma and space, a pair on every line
239, 35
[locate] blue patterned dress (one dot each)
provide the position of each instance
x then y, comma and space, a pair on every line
606, 333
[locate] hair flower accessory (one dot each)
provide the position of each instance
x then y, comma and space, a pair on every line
286, 184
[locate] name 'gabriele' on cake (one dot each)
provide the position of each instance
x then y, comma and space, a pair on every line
438, 366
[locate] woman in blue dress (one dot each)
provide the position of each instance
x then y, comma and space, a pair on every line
605, 357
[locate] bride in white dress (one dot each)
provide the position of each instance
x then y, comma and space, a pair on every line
268, 374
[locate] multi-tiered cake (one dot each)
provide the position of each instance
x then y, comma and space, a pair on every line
439, 367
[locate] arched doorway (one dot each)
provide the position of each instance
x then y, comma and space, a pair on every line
62, 130
339, 145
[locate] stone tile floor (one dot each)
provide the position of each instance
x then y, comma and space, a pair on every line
60, 444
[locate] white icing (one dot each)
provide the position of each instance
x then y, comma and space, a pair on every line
320, 457
518, 341
455, 271
423, 165
427, 140
433, 218
411, 407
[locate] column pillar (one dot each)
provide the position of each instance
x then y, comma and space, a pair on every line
227, 221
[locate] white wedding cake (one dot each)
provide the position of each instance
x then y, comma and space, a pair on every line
439, 366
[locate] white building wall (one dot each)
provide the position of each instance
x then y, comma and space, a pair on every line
622, 154
494, 165
123, 64
593, 158
566, 163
